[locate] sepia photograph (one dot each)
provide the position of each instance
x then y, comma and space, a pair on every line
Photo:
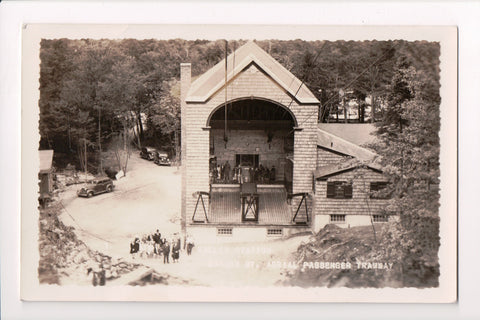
263, 163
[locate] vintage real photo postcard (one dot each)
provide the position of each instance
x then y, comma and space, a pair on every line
239, 163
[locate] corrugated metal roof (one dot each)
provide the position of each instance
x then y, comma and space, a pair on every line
214, 79
335, 143
273, 207
226, 207
46, 158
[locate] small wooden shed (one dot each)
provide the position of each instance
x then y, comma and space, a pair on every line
45, 176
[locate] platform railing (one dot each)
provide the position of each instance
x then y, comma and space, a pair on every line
200, 195
303, 201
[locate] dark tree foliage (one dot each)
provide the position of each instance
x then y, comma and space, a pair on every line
89, 87
409, 146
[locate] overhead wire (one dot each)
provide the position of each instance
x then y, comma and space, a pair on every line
361, 73
306, 76
79, 226
349, 83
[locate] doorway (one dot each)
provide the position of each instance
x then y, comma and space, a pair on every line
247, 160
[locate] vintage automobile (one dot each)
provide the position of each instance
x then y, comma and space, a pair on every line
96, 186
162, 159
148, 153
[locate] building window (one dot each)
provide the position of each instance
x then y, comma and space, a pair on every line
274, 232
380, 218
339, 190
337, 218
378, 190
224, 231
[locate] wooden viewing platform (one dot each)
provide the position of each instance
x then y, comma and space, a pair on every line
226, 205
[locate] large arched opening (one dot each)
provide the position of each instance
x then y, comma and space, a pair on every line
252, 141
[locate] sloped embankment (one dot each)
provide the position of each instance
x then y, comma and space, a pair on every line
64, 259
345, 257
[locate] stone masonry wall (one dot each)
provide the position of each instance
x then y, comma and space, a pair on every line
325, 157
250, 83
252, 142
359, 204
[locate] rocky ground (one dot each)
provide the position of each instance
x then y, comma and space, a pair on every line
64, 259
345, 257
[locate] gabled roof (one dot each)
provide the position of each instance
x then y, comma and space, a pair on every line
46, 157
360, 134
332, 142
333, 169
214, 79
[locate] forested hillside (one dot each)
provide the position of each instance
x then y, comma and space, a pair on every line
99, 94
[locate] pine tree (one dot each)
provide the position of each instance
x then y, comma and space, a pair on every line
408, 142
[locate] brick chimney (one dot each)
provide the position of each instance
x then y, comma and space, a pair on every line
185, 80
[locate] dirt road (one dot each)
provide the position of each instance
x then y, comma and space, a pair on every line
148, 198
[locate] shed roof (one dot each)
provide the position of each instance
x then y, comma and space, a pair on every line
335, 143
333, 169
358, 133
214, 79
46, 158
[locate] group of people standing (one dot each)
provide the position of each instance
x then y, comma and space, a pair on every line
154, 246
225, 174
222, 173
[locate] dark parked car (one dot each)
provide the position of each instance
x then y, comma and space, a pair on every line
148, 153
162, 159
96, 186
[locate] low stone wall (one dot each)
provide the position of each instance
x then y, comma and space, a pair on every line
350, 221
210, 233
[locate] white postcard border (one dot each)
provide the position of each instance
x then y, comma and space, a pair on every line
31, 290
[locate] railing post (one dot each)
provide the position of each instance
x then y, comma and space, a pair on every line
304, 198
200, 197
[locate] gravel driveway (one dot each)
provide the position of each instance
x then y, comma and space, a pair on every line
148, 198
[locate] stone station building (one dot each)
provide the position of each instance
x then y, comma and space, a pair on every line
253, 114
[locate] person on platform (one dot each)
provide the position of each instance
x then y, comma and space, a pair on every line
255, 174
261, 173
228, 172
272, 174
215, 174
220, 172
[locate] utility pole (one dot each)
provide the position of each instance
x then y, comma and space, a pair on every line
85, 161
341, 93
372, 116
125, 146
100, 139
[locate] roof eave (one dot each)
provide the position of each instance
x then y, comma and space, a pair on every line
251, 58
342, 170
